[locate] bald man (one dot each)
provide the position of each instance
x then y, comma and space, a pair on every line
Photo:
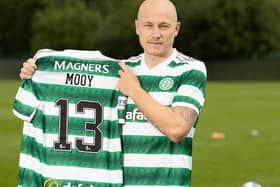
166, 92
164, 103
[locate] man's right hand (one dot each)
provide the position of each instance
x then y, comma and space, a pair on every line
28, 69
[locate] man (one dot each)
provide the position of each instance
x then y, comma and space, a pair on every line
165, 99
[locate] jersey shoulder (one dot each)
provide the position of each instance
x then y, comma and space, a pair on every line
133, 61
80, 54
184, 61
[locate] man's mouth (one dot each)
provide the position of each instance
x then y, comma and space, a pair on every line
155, 43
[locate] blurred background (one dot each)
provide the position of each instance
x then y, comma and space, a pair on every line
239, 41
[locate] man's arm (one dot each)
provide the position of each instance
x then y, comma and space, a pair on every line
28, 69
175, 122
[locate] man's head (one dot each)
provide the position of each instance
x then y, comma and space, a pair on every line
157, 26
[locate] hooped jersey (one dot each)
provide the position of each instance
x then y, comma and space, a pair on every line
150, 158
70, 112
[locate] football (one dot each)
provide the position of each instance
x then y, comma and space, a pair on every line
251, 184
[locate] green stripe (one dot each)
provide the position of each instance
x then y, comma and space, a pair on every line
133, 115
74, 158
174, 64
27, 85
187, 99
47, 64
23, 109
29, 178
156, 145
121, 114
133, 64
195, 78
131, 106
196, 122
151, 83
157, 176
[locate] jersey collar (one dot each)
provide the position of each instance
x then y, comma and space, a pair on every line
160, 65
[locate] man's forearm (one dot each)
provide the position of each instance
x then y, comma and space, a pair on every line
171, 122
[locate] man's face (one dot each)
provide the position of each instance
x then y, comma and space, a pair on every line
157, 29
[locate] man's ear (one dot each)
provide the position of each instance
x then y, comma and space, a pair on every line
137, 27
178, 26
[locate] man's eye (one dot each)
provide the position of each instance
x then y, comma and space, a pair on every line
148, 25
164, 26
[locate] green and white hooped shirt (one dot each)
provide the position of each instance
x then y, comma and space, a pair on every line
150, 158
70, 112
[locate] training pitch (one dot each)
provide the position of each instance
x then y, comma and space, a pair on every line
247, 114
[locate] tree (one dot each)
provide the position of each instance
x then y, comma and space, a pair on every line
15, 25
107, 26
230, 29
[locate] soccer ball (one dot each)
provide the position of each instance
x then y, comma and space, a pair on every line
251, 184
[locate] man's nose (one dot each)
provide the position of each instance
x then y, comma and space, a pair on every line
156, 33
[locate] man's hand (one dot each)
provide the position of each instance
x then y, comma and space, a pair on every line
128, 84
28, 69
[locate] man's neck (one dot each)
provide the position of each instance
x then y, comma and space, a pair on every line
153, 60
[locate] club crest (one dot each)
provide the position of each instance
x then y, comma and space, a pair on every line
166, 83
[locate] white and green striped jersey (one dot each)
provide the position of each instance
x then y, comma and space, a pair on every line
150, 158
71, 135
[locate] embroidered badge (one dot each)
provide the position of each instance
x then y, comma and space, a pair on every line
166, 83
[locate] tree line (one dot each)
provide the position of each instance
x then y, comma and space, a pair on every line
210, 29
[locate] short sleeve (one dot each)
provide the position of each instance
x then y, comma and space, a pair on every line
191, 92
25, 103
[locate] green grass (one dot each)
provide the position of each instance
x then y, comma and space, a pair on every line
10, 134
234, 108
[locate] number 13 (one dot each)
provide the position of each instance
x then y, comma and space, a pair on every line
62, 144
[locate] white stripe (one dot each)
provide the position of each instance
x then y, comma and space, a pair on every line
193, 92
191, 133
59, 78
157, 160
50, 109
84, 54
146, 129
162, 71
168, 71
164, 98
141, 129
27, 98
47, 140
192, 62
200, 66
70, 173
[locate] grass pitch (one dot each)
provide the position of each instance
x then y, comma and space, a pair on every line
237, 109
233, 108
10, 134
